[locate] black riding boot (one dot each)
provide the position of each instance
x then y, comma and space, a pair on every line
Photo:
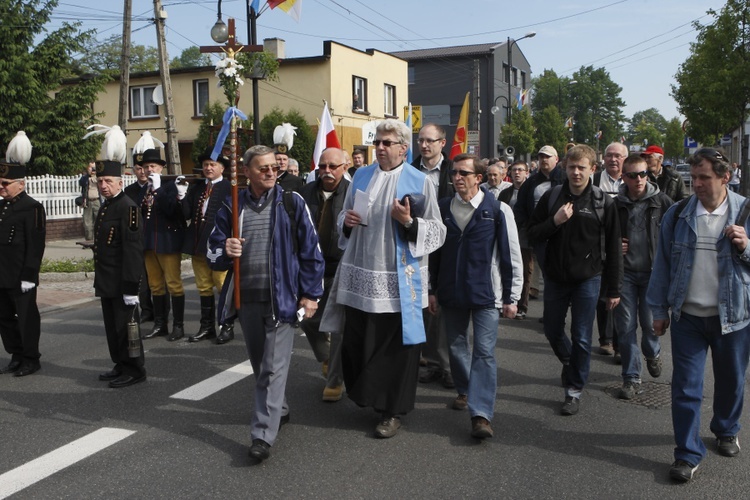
160, 317
208, 318
178, 314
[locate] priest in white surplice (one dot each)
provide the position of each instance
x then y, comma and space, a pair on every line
382, 277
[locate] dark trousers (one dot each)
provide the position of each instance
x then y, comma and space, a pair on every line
527, 256
20, 324
116, 317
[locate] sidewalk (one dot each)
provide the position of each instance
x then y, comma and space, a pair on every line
62, 290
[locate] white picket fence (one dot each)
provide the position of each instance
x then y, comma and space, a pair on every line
58, 193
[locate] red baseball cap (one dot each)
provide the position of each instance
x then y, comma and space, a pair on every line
653, 150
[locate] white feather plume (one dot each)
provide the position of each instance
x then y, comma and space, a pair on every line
284, 134
115, 145
147, 141
19, 149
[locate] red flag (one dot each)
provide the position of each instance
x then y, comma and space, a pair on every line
326, 137
461, 137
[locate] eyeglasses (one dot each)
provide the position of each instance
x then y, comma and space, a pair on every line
518, 170
635, 175
385, 142
713, 153
8, 183
462, 173
425, 140
329, 166
265, 168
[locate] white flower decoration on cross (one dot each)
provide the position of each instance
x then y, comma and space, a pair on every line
228, 71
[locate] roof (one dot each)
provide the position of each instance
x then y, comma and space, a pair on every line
460, 50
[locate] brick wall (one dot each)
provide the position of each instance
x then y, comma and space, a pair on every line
65, 229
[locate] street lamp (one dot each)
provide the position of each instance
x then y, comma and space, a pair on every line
495, 107
252, 35
510, 64
219, 32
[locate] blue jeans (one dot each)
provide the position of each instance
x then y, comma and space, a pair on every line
631, 311
691, 338
575, 351
475, 373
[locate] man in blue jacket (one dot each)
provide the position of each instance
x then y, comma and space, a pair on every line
701, 273
477, 270
281, 280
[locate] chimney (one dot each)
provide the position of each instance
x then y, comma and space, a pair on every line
275, 46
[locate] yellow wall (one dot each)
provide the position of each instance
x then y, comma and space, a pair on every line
303, 85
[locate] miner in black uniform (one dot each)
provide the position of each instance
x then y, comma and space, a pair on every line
136, 192
163, 234
22, 234
118, 261
200, 205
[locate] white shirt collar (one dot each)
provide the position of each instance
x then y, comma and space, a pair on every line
720, 210
437, 165
476, 200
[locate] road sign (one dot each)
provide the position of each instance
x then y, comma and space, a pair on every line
416, 117
690, 142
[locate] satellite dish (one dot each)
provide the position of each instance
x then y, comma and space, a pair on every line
158, 95
494, 110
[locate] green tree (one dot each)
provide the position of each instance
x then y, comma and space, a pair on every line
649, 116
304, 141
548, 89
550, 128
647, 133
597, 106
713, 84
190, 58
34, 63
520, 133
104, 57
674, 140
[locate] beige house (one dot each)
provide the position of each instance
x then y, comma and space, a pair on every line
359, 86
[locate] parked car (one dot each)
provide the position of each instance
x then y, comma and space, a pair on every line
684, 170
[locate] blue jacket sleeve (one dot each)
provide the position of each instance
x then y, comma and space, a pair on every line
217, 258
311, 262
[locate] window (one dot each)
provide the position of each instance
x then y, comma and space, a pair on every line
523, 79
200, 96
411, 76
389, 100
141, 102
506, 74
515, 76
359, 90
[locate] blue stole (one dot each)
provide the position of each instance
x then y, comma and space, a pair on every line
410, 181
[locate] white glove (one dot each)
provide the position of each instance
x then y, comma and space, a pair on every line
181, 188
155, 181
130, 300
27, 286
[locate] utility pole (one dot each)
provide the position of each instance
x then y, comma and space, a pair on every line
122, 114
173, 150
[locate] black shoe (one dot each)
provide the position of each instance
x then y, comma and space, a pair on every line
126, 380
260, 450
284, 420
682, 471
177, 333
110, 375
226, 334
12, 367
431, 374
27, 369
203, 334
448, 382
728, 446
388, 427
654, 366
158, 331
569, 406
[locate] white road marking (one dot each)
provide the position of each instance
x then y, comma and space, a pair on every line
24, 476
216, 383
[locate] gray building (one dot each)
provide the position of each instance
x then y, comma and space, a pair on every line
440, 78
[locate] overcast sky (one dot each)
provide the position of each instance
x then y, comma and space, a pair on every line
641, 43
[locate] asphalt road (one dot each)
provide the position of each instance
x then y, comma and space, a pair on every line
153, 445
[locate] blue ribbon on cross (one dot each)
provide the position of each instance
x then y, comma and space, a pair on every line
224, 132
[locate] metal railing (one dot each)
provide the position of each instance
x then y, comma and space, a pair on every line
58, 193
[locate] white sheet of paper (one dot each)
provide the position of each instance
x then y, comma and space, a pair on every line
362, 205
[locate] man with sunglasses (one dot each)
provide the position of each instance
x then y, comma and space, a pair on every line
701, 275
382, 279
669, 181
436, 166
325, 199
641, 207
280, 279
22, 237
476, 272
